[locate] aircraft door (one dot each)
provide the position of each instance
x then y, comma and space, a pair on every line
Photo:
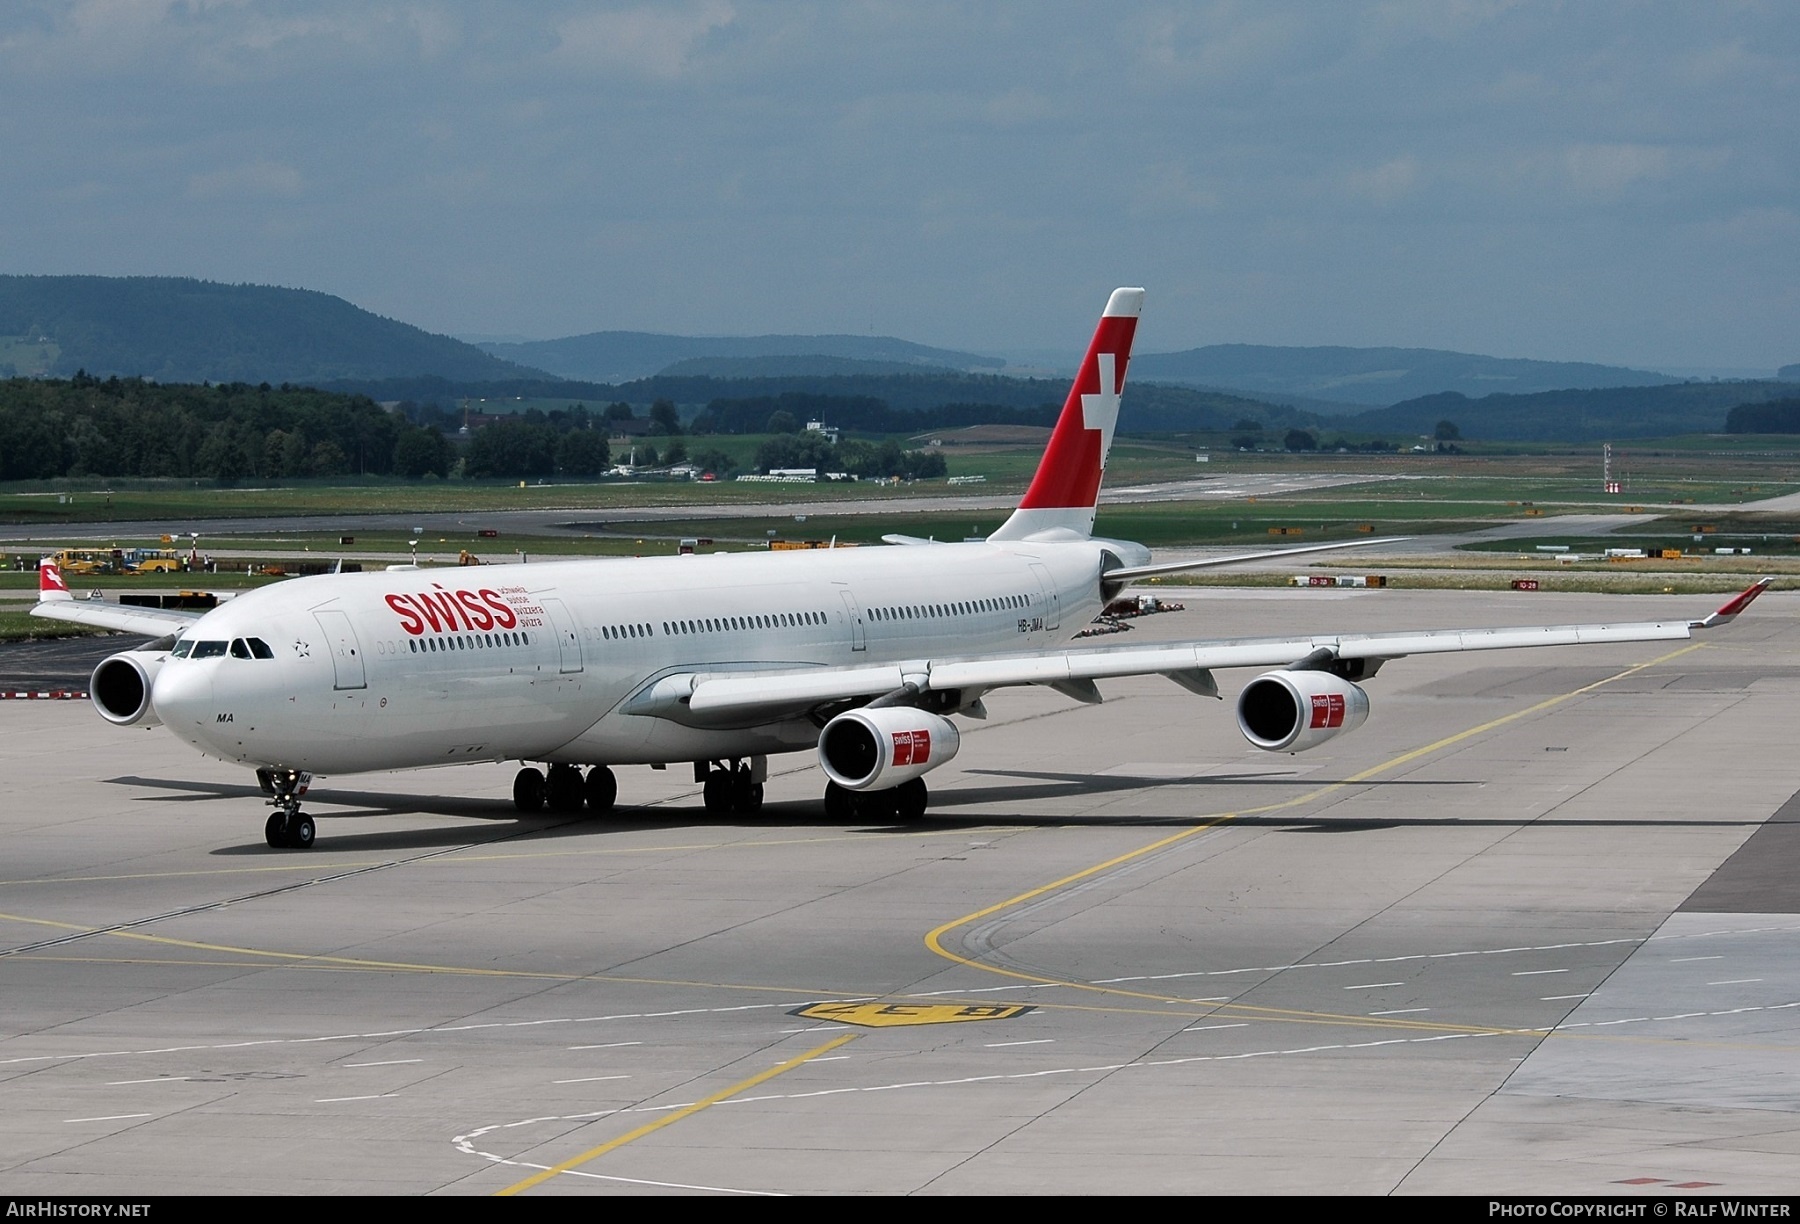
568, 640
853, 613
1051, 596
346, 652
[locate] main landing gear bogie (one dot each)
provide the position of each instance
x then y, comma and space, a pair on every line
731, 789
565, 790
903, 804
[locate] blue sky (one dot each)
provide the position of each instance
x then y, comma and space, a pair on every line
1600, 181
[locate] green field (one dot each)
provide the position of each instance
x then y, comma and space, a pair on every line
21, 626
1659, 474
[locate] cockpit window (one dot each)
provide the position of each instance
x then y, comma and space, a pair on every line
208, 650
181, 649
260, 648
240, 649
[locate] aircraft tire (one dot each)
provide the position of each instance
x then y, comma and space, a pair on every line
911, 799
840, 804
882, 805
602, 790
300, 832
275, 832
748, 798
566, 793
528, 790
716, 793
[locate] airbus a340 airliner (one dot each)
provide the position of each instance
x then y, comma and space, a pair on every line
863, 654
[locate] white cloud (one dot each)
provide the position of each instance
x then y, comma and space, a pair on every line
1386, 183
1607, 169
653, 40
258, 178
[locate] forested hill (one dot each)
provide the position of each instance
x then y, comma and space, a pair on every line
1376, 375
1575, 416
1147, 407
173, 329
622, 356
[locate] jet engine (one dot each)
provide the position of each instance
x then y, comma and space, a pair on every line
878, 749
1291, 711
120, 687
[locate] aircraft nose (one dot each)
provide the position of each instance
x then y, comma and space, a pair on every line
182, 696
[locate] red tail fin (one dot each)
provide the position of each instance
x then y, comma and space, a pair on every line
50, 581
1066, 488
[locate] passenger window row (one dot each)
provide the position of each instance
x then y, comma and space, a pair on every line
738, 624
468, 641
936, 611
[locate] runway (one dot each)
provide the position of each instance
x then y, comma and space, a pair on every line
1531, 930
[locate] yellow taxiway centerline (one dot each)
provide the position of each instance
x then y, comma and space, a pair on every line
687, 1111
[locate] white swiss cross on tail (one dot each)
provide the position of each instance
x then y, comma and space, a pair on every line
1066, 488
1101, 409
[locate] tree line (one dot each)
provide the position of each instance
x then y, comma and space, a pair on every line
129, 427
1780, 416
85, 426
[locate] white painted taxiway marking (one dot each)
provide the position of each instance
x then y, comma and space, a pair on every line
1207, 1028
1735, 982
1000, 1045
110, 1118
392, 1062
425, 1031
1729, 1011
592, 1079
1400, 1011
466, 1142
1430, 956
1536, 972
1561, 998
378, 1096
1374, 985
1679, 960
609, 1045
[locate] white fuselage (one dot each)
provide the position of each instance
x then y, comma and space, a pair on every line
408, 668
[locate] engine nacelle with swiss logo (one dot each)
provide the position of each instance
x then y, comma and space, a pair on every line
1291, 711
877, 749
120, 687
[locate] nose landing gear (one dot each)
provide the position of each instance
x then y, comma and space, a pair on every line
288, 828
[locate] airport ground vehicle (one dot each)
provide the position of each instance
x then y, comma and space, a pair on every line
89, 561
864, 655
154, 561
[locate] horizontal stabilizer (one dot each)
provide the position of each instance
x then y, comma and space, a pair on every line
1131, 573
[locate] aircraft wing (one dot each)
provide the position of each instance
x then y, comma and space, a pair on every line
157, 622
741, 695
57, 602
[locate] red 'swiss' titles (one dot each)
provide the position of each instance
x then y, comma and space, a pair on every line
447, 611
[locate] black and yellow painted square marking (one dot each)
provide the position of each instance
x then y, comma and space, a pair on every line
893, 1015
